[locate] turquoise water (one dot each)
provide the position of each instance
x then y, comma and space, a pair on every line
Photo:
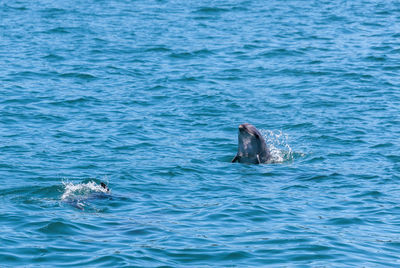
147, 97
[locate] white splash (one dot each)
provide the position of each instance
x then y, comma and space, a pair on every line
277, 142
81, 190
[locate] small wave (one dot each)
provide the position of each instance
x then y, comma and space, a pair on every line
190, 54
158, 49
280, 52
59, 228
53, 57
182, 55
374, 58
84, 76
203, 52
59, 30
211, 10
74, 101
20, 8
53, 10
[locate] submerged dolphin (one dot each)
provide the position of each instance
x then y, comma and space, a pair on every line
252, 148
81, 195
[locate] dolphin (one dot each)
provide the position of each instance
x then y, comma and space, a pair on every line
252, 148
81, 195
103, 185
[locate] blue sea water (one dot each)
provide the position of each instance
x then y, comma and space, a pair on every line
146, 96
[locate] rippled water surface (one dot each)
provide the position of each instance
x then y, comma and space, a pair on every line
146, 96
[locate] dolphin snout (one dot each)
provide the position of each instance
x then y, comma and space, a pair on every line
243, 127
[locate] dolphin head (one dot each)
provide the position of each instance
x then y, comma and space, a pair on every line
252, 147
103, 185
251, 142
